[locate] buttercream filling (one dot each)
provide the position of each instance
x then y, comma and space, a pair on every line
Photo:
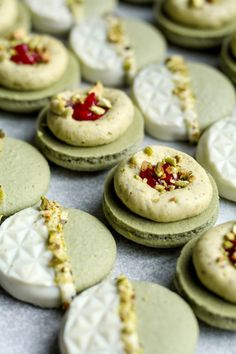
117, 35
167, 175
128, 316
229, 246
82, 107
183, 90
24, 50
55, 218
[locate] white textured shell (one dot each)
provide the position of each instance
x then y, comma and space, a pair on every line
210, 15
153, 91
216, 152
99, 58
94, 133
217, 276
175, 205
92, 324
8, 14
24, 259
38, 76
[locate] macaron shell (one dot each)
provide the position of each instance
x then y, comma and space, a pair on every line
91, 248
150, 233
189, 37
25, 176
207, 306
227, 61
90, 158
25, 102
165, 323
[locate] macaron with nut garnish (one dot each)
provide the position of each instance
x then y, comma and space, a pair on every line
160, 197
33, 68
206, 276
127, 316
24, 177
14, 15
111, 49
49, 253
216, 152
228, 57
199, 24
89, 130
180, 99
58, 16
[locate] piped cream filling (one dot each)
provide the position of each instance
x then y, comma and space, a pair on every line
116, 34
128, 317
183, 90
55, 218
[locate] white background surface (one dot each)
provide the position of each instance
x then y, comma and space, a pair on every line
25, 329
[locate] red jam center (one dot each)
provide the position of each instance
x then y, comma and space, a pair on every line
82, 111
231, 251
153, 179
24, 55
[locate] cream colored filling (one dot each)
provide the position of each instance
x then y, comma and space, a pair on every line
55, 218
128, 317
183, 90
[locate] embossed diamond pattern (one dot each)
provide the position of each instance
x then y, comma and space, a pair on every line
221, 147
93, 324
153, 90
90, 43
23, 253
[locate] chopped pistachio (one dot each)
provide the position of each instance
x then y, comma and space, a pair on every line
170, 160
181, 183
148, 150
98, 89
228, 245
55, 218
127, 313
230, 236
97, 110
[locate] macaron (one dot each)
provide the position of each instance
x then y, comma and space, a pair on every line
14, 15
58, 16
89, 130
180, 99
197, 24
228, 58
50, 253
111, 49
160, 197
216, 152
24, 177
33, 68
205, 276
128, 316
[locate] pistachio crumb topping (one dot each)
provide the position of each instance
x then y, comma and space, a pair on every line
229, 246
148, 150
56, 217
24, 49
127, 313
166, 176
63, 104
116, 34
183, 90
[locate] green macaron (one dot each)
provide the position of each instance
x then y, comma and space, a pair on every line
24, 178
154, 234
88, 158
207, 306
190, 37
228, 60
30, 101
